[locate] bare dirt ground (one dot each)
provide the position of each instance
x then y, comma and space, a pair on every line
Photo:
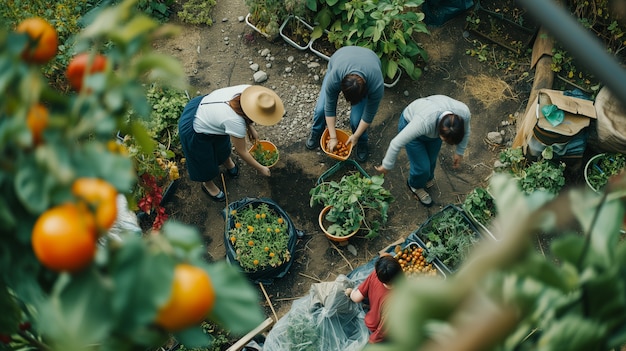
220, 56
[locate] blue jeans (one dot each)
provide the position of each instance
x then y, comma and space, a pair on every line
422, 152
319, 118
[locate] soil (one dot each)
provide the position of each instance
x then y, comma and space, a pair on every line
221, 55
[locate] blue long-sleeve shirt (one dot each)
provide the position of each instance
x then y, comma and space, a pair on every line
422, 116
357, 60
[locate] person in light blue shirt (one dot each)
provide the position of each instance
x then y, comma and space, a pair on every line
357, 73
423, 126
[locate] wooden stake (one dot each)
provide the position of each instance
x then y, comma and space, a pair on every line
269, 301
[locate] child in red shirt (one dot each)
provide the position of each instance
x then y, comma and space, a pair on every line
376, 287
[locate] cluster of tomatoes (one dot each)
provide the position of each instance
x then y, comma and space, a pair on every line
413, 262
64, 237
341, 150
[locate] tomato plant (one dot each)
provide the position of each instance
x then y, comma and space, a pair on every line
42, 40
82, 65
59, 195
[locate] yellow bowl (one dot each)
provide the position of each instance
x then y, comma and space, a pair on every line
342, 136
267, 147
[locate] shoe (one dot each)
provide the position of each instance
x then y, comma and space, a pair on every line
362, 152
233, 173
219, 197
430, 184
314, 141
421, 195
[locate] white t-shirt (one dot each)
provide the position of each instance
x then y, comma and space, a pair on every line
215, 116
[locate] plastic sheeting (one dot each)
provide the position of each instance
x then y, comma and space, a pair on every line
325, 319
437, 12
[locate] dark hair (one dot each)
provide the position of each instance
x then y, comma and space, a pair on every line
451, 129
387, 269
235, 104
353, 88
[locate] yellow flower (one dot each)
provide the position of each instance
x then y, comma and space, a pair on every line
255, 262
233, 212
250, 229
281, 220
263, 215
257, 216
251, 243
277, 230
237, 225
233, 239
269, 230
272, 254
266, 249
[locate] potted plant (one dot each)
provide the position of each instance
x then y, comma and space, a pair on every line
265, 152
601, 167
265, 17
388, 27
296, 32
260, 238
355, 202
448, 237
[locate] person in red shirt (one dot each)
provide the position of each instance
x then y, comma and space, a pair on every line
376, 288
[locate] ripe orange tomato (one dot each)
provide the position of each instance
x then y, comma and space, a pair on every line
101, 198
191, 300
77, 68
37, 121
43, 41
64, 238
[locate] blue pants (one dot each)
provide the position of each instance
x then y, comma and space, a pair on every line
422, 152
319, 119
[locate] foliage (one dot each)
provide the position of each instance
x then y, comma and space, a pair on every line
259, 237
357, 202
542, 175
568, 298
197, 12
113, 301
603, 168
267, 15
221, 338
480, 204
449, 237
387, 27
157, 9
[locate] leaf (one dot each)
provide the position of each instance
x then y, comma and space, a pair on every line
181, 235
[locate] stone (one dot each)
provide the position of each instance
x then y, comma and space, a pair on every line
495, 137
260, 77
254, 67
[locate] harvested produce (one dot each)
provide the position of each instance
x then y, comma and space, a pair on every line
413, 261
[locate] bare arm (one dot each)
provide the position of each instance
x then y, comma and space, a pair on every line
242, 151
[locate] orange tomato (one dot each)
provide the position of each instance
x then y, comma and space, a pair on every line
77, 68
37, 121
43, 41
192, 298
101, 198
64, 238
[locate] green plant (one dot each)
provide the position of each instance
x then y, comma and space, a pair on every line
387, 27
259, 237
357, 202
267, 15
480, 204
541, 175
99, 307
605, 167
197, 12
264, 156
449, 237
221, 338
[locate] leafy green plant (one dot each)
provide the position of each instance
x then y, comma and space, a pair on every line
357, 202
449, 237
267, 15
480, 204
221, 338
386, 27
259, 237
197, 12
604, 167
542, 175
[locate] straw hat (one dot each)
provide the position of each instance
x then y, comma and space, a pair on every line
262, 105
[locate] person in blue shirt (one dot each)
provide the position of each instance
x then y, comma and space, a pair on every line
357, 73
423, 126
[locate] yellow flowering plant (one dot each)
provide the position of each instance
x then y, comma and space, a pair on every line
259, 237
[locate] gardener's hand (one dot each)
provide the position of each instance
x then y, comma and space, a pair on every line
353, 139
381, 169
265, 171
348, 292
456, 162
332, 144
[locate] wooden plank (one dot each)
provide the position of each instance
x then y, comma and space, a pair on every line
241, 343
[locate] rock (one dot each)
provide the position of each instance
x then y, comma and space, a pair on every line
260, 77
495, 137
287, 69
352, 249
265, 52
224, 19
290, 59
313, 65
268, 65
254, 67
241, 18
406, 93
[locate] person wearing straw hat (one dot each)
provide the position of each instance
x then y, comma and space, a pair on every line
423, 126
357, 73
212, 124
